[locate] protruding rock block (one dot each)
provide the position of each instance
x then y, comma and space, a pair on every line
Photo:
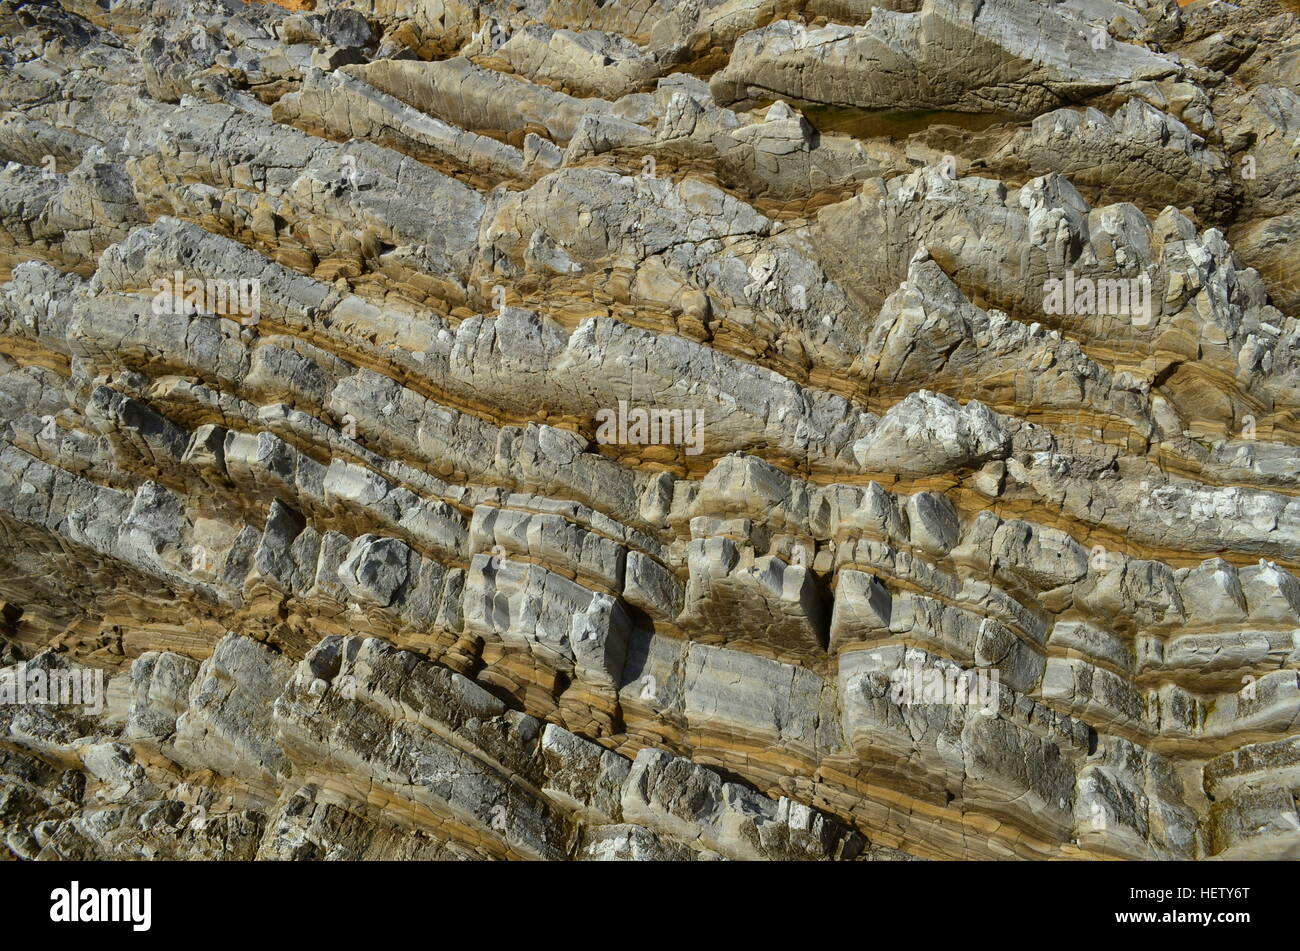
540, 612
730, 589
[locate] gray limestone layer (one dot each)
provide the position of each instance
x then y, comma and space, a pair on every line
650, 431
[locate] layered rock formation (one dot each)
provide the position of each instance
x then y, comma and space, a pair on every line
761, 429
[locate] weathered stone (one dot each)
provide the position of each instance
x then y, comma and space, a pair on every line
609, 430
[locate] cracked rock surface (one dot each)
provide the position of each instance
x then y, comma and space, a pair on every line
652, 431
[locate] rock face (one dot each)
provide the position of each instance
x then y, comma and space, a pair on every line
654, 431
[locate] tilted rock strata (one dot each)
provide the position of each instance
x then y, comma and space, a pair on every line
360, 751
952, 572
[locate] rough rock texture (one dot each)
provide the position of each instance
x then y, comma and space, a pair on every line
760, 429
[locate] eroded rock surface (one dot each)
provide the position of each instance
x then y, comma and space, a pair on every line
652, 431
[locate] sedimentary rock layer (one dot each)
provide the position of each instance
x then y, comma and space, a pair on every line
651, 431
